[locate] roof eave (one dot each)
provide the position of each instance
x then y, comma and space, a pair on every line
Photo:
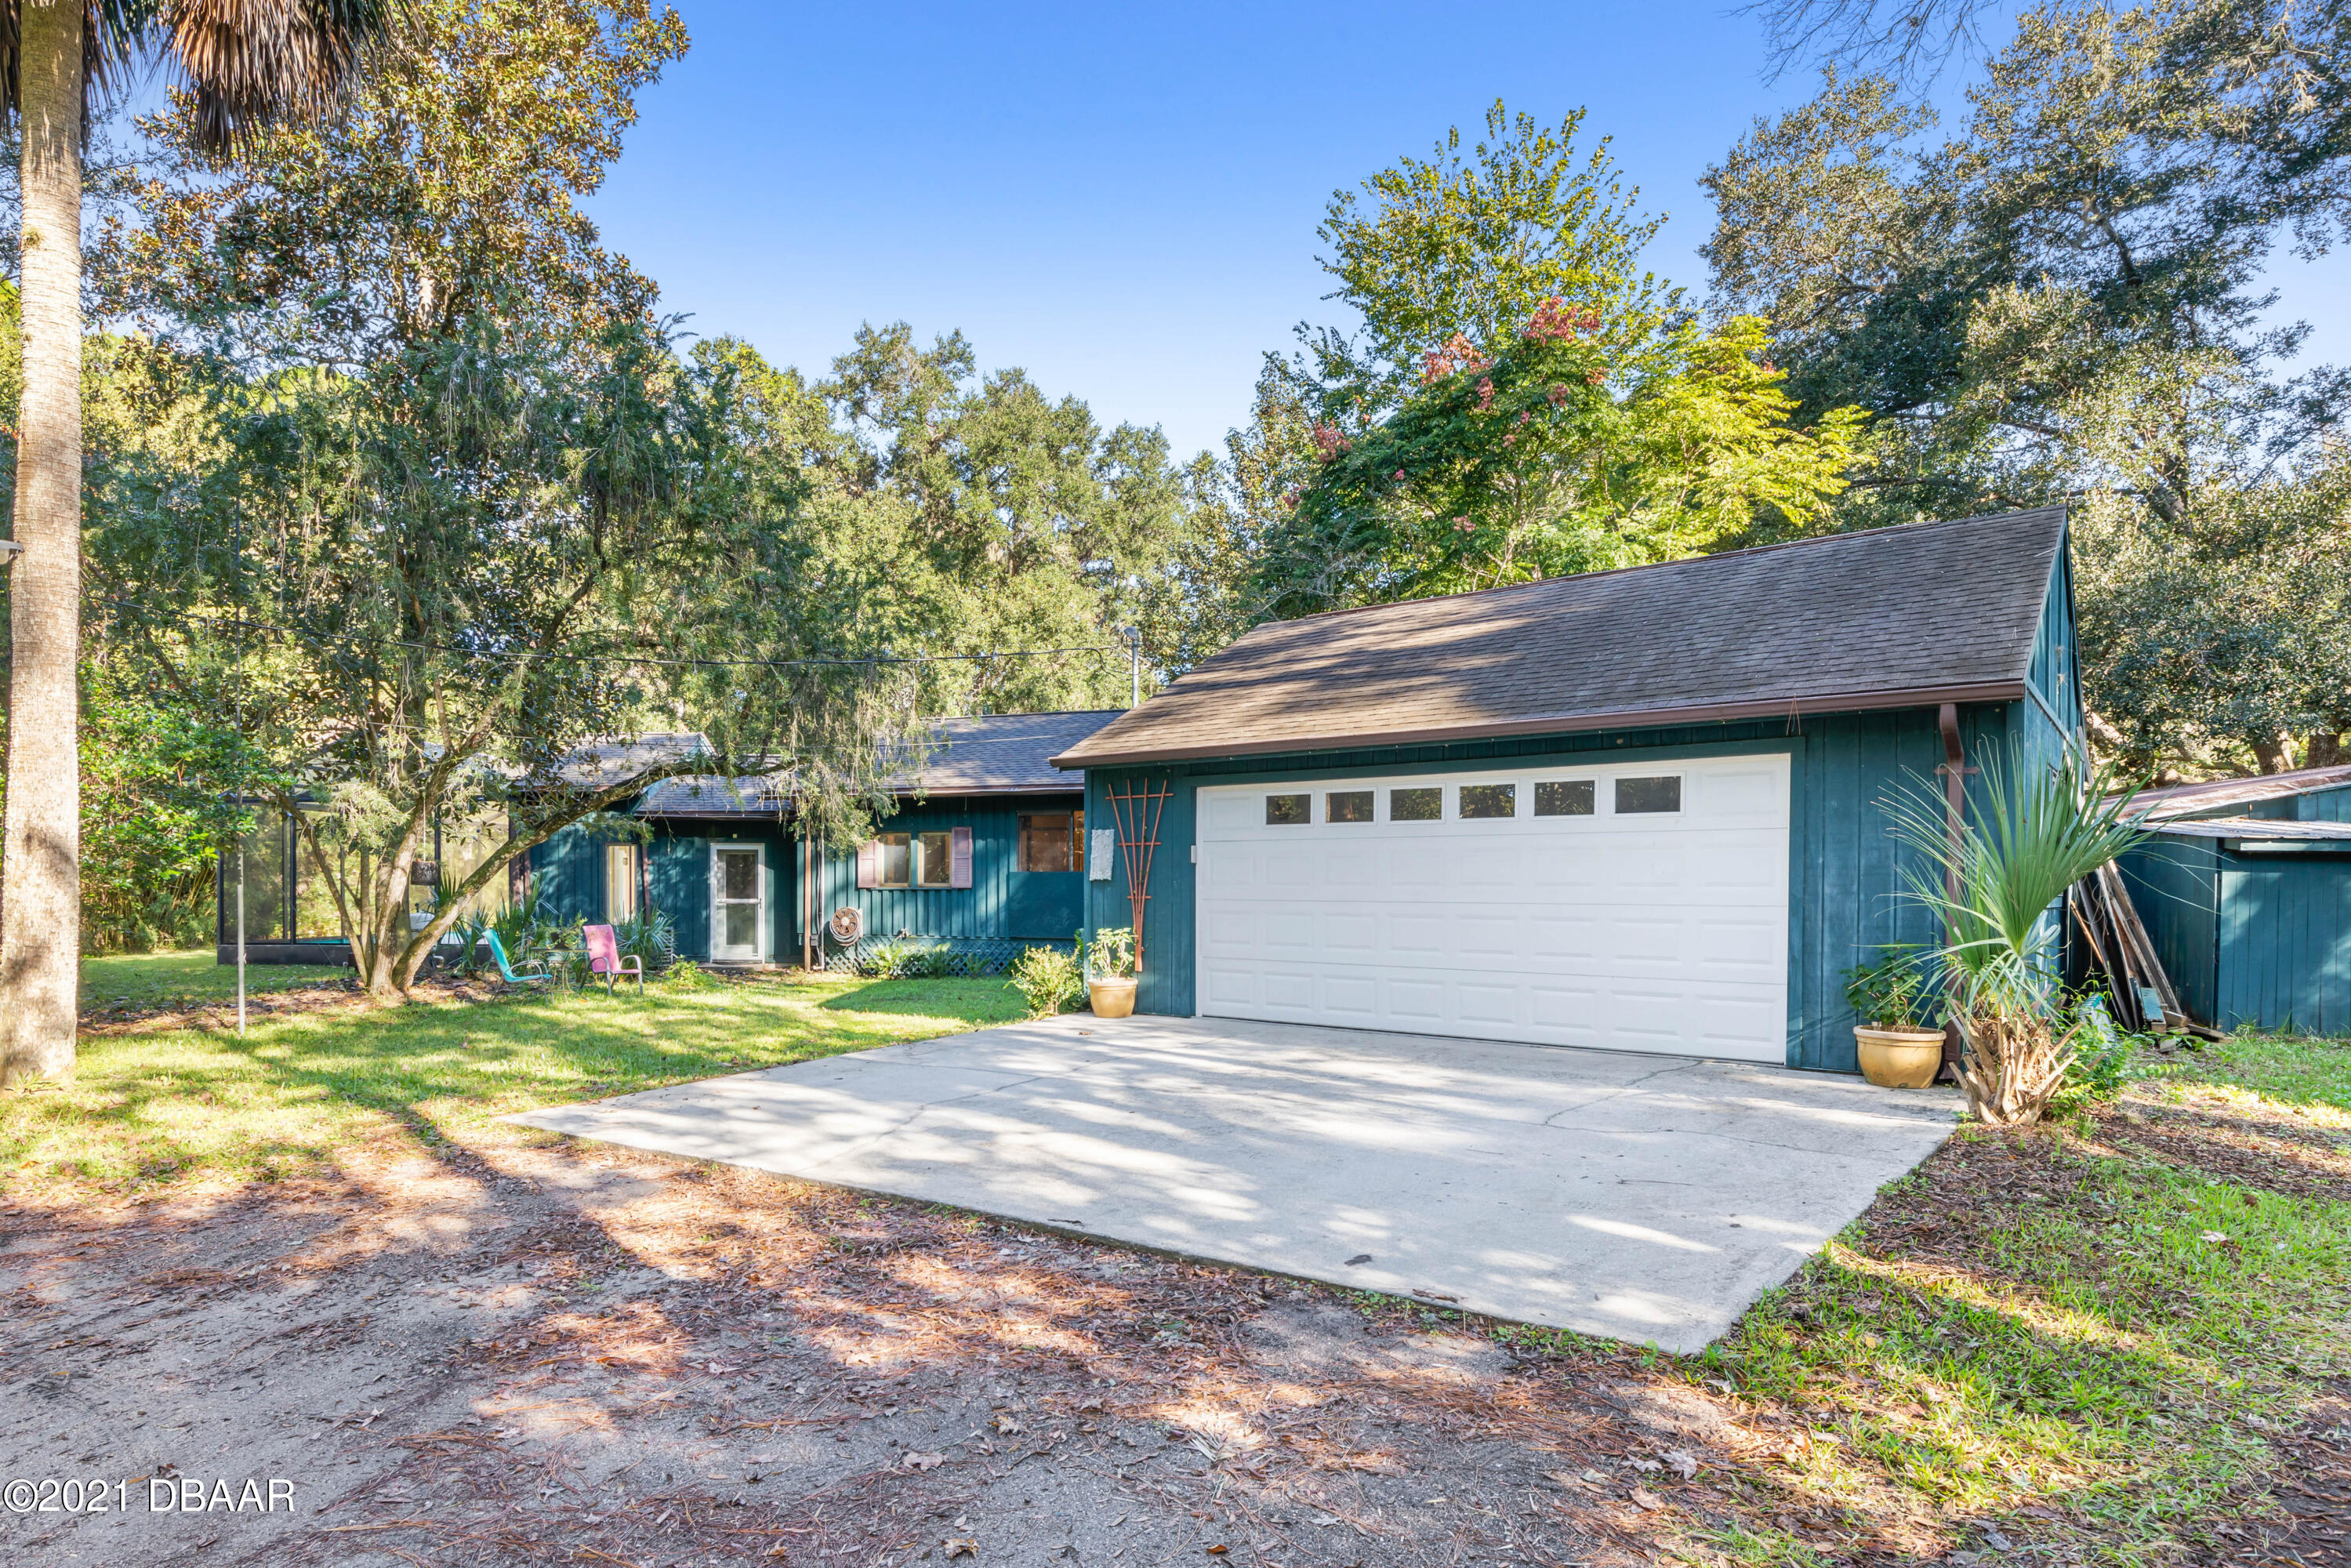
1573, 724
1049, 787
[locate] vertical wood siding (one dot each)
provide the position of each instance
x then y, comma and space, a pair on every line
2285, 943
2055, 671
1846, 875
678, 868
1001, 901
2175, 885
2324, 806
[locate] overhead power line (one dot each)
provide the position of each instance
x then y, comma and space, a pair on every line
827, 661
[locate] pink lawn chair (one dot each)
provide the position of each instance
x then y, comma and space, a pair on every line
604, 957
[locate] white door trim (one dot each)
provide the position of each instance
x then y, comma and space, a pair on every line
718, 953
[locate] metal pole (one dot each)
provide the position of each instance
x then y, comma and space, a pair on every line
1134, 667
240, 934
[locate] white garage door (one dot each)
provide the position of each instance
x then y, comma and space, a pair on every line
1634, 907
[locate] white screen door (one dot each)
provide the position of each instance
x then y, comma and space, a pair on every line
738, 903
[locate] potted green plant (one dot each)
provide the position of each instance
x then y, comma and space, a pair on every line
1899, 1048
1996, 880
1110, 973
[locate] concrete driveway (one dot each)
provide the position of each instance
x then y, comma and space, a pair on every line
1645, 1198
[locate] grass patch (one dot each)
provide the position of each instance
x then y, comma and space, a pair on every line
169, 1104
145, 981
2087, 1339
2309, 1074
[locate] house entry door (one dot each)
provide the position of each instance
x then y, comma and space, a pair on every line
737, 904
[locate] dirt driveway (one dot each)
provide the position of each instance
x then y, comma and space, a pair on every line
518, 1351
520, 1355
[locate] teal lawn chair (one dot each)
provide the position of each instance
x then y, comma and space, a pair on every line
506, 970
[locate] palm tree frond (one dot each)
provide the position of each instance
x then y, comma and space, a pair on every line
248, 63
251, 63
2031, 830
110, 33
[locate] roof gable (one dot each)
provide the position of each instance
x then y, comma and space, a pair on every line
1890, 617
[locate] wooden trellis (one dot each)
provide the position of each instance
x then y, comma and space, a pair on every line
1136, 813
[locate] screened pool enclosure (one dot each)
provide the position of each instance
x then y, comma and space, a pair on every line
289, 909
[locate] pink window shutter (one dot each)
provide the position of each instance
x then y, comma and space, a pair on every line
959, 857
869, 863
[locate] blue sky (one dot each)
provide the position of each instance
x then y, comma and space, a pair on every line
1122, 200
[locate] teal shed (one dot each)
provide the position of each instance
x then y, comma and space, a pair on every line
1638, 810
2245, 888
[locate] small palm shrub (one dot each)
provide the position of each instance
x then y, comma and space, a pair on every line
1049, 980
2031, 832
469, 930
896, 960
650, 938
519, 924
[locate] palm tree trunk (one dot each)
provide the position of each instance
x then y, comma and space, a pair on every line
40, 918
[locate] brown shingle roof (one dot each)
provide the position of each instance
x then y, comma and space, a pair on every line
1888, 618
998, 754
1004, 753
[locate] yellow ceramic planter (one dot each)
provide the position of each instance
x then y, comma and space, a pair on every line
1900, 1058
1110, 999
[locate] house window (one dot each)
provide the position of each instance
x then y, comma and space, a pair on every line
1490, 800
1564, 797
1423, 805
933, 861
1288, 811
1636, 796
620, 882
896, 856
1052, 841
1347, 806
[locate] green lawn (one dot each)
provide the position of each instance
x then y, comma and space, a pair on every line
172, 979
2086, 1339
172, 1103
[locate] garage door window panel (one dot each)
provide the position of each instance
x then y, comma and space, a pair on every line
1416, 805
1288, 811
1347, 806
1566, 797
1649, 796
1479, 802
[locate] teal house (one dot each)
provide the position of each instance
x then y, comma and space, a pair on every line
2245, 888
982, 859
1638, 810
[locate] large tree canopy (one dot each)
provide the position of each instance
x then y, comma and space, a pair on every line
2066, 296
1467, 245
1522, 401
428, 590
453, 178
1006, 521
1563, 454
448, 509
